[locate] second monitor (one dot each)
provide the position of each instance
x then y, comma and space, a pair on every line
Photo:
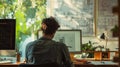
72, 38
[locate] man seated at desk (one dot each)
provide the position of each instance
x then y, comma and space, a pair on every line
46, 50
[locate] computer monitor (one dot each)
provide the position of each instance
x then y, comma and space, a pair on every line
72, 38
7, 34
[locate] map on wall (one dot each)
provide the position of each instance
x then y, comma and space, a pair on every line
75, 14
106, 19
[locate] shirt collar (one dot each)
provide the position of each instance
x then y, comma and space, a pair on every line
44, 38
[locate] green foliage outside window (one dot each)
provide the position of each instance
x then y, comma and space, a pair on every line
28, 15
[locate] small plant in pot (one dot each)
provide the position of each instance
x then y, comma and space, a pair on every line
115, 31
89, 47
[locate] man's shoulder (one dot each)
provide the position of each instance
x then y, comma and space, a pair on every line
31, 43
60, 44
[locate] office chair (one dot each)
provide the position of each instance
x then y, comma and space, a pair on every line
40, 65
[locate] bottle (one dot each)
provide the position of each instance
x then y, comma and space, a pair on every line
17, 57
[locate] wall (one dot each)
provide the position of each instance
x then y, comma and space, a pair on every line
93, 17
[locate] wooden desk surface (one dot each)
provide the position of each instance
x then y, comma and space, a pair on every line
96, 64
9, 65
77, 64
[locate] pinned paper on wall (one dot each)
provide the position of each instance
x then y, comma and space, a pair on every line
106, 19
75, 14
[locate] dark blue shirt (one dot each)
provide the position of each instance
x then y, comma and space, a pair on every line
46, 50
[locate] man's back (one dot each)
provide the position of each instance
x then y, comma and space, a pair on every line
47, 51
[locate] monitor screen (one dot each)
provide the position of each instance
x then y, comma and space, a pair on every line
7, 34
72, 38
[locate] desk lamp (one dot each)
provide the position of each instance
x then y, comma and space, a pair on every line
104, 37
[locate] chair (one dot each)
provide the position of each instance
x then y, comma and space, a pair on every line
40, 65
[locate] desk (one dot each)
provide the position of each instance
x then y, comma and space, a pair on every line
78, 64
97, 64
87, 65
98, 55
9, 65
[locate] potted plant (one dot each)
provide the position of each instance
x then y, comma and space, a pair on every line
115, 31
89, 47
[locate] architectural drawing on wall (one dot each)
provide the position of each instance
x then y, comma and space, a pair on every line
106, 19
72, 38
75, 14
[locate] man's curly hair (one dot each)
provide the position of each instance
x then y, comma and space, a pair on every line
52, 25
